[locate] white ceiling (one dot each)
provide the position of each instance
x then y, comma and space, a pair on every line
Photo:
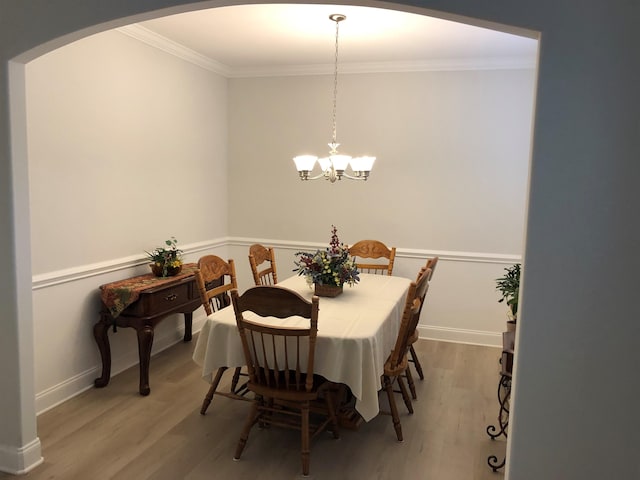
280, 39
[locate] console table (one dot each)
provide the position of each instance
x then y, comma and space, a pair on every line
141, 303
504, 396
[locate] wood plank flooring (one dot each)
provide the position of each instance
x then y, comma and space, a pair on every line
114, 433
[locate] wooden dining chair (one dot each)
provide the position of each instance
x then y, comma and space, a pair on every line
396, 365
422, 287
215, 279
373, 249
280, 364
413, 356
258, 255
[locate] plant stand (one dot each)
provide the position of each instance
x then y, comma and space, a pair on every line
504, 396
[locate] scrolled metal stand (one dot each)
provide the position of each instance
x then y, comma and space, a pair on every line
504, 394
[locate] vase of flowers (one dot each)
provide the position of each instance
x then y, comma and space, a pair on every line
166, 261
329, 269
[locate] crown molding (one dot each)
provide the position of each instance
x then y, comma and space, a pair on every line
440, 65
461, 64
174, 48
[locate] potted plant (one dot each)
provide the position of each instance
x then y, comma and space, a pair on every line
166, 261
329, 269
509, 287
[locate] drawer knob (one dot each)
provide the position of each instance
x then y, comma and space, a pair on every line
171, 297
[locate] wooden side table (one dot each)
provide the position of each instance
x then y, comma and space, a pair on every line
504, 396
155, 299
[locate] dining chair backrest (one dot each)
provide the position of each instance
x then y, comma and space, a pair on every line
211, 278
432, 263
373, 249
422, 285
279, 359
258, 254
410, 316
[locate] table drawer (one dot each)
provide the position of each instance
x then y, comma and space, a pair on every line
159, 301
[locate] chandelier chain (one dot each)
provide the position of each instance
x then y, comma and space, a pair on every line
335, 84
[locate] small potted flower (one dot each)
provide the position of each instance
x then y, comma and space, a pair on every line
166, 261
329, 269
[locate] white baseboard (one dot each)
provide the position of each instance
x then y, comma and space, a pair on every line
459, 335
57, 394
18, 461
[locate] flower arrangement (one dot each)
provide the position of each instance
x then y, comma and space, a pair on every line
331, 266
166, 261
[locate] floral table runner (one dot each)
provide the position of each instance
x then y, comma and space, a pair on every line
117, 296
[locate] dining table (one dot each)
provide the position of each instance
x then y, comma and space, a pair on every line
356, 332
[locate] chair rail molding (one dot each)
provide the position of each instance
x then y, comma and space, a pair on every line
411, 253
49, 279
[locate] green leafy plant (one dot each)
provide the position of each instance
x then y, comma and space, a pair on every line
166, 258
331, 266
509, 287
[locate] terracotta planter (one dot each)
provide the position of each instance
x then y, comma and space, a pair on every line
327, 290
511, 320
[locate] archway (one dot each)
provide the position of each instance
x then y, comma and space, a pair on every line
19, 157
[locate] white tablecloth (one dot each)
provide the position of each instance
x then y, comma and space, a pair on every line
356, 332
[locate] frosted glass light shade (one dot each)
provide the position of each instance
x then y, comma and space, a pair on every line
325, 163
305, 162
340, 162
362, 164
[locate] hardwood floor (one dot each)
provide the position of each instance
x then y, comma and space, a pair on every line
114, 433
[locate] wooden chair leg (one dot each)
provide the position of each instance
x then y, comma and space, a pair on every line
388, 386
416, 362
412, 386
267, 413
235, 379
333, 416
252, 418
405, 394
305, 449
212, 390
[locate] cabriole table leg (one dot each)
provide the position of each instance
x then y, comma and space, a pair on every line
145, 341
100, 333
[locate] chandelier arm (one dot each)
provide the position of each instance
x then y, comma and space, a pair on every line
359, 177
316, 177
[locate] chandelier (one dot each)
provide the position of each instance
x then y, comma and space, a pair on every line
334, 166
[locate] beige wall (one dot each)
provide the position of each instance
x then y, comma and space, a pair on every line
451, 172
127, 147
